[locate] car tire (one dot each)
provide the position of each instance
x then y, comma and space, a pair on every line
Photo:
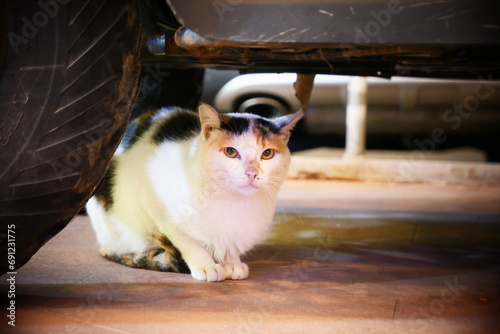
68, 82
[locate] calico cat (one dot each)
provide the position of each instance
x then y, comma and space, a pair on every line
192, 192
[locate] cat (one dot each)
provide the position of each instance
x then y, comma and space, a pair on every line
192, 192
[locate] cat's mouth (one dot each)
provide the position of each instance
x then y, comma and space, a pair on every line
249, 188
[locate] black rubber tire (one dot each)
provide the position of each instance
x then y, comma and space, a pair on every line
67, 87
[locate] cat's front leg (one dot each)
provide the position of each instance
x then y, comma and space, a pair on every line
235, 269
210, 273
199, 260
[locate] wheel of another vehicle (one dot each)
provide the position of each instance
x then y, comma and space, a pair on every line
68, 82
264, 106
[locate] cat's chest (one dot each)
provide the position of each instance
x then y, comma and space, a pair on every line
232, 223
233, 210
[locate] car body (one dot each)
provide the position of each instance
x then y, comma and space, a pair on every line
448, 39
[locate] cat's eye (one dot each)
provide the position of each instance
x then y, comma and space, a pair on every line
268, 154
231, 152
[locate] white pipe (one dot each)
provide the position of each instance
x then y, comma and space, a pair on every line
356, 118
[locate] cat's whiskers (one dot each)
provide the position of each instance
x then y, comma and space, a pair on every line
271, 190
269, 194
229, 187
275, 179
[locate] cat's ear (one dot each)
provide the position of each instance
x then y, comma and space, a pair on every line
210, 119
287, 123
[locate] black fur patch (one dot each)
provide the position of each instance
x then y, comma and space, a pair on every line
236, 125
104, 192
263, 127
136, 129
179, 125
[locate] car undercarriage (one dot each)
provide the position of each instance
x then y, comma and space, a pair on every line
450, 39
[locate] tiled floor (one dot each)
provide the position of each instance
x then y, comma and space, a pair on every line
342, 257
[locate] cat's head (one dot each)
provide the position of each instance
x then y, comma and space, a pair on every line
245, 153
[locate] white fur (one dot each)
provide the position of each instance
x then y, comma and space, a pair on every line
195, 195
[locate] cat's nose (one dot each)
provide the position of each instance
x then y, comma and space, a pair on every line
251, 173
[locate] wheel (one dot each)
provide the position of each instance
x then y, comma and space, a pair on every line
68, 82
265, 106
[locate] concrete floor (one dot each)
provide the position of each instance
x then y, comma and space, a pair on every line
342, 257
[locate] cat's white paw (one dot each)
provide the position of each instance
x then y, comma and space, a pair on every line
236, 270
210, 273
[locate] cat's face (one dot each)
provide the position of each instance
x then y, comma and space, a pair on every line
248, 163
246, 154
